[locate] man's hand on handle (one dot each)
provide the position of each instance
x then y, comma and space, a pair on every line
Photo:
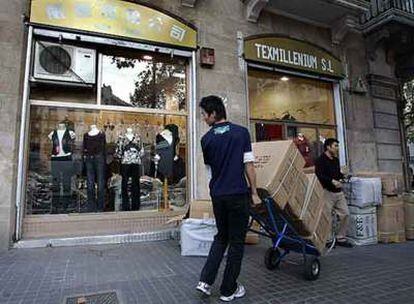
255, 199
337, 184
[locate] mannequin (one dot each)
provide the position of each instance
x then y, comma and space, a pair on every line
177, 170
302, 144
130, 150
61, 166
94, 154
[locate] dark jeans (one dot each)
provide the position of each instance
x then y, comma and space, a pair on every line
130, 171
62, 171
95, 172
232, 216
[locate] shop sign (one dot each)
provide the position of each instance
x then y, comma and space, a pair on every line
291, 53
114, 17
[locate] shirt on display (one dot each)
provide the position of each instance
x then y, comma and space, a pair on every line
129, 150
94, 145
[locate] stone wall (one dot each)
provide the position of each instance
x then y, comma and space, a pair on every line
12, 55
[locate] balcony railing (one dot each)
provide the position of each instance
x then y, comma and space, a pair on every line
380, 7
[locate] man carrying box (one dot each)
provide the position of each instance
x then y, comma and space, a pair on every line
328, 171
228, 153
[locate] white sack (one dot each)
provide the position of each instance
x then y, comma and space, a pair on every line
197, 235
363, 192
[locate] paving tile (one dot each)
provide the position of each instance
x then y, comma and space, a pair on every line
156, 273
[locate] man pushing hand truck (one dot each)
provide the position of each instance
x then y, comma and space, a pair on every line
227, 152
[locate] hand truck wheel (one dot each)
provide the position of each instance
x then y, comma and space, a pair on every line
272, 258
312, 268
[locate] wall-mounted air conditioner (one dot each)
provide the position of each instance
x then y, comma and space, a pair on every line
59, 62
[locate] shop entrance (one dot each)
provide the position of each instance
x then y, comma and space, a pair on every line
111, 156
286, 107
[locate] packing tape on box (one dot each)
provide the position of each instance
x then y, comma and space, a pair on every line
308, 196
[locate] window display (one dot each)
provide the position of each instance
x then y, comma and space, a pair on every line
96, 161
291, 107
275, 96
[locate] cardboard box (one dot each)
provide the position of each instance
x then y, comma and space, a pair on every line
252, 238
409, 220
314, 202
323, 229
278, 164
296, 203
304, 206
309, 170
392, 183
202, 209
391, 221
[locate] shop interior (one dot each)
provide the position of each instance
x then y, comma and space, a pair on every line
283, 106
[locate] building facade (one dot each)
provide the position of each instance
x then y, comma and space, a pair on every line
101, 130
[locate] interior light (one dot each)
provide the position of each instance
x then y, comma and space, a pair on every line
284, 78
179, 75
147, 57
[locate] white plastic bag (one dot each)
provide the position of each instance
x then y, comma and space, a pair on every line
197, 235
362, 228
363, 192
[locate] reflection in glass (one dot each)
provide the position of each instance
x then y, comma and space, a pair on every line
60, 93
94, 161
296, 108
293, 99
144, 81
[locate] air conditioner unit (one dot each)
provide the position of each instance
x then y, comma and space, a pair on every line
59, 62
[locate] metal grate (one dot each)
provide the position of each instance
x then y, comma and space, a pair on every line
97, 298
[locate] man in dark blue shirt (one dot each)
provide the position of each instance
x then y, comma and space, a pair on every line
228, 155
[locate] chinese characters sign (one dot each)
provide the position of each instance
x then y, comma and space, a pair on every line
293, 54
114, 17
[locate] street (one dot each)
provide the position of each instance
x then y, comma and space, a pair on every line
156, 273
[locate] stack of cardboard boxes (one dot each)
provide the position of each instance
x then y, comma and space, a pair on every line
363, 195
279, 170
391, 222
409, 215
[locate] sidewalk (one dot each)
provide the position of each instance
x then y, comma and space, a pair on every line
156, 273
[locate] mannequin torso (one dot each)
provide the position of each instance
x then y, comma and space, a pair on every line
129, 148
61, 138
93, 130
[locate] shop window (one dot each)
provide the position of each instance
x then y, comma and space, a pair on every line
59, 92
96, 160
144, 80
276, 96
289, 107
63, 72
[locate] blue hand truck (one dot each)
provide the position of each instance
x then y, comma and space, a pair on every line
285, 239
